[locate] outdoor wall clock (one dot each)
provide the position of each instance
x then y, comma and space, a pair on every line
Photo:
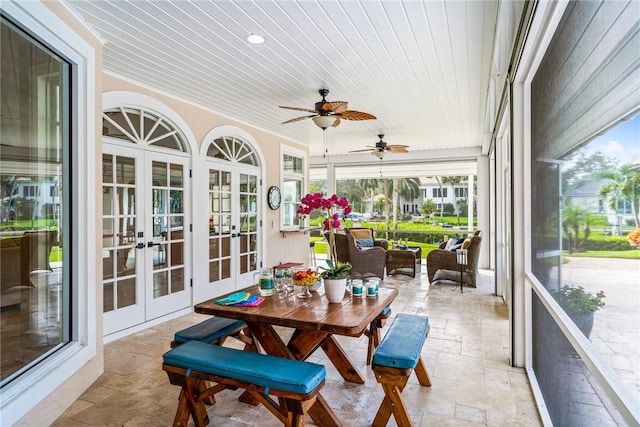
273, 197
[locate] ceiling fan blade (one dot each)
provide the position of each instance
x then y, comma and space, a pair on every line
336, 123
299, 109
397, 150
361, 151
297, 119
356, 115
335, 106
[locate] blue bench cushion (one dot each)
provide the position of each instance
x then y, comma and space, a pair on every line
208, 330
385, 311
401, 346
260, 369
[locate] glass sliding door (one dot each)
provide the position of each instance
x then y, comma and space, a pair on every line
35, 282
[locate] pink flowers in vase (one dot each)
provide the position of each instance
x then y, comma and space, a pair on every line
315, 201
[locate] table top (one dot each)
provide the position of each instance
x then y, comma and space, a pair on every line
405, 249
350, 317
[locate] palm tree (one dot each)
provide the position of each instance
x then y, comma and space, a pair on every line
371, 186
8, 187
624, 187
441, 196
350, 189
385, 190
453, 181
408, 188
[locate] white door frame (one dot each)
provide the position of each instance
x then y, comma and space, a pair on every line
202, 288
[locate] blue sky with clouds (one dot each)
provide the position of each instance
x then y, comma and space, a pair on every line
621, 142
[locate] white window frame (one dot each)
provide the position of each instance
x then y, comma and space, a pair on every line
291, 176
49, 376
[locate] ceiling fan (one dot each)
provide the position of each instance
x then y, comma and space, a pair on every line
328, 113
381, 148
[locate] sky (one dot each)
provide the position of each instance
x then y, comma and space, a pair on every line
621, 142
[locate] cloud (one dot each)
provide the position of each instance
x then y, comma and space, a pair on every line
611, 147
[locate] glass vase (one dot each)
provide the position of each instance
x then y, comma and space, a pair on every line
304, 293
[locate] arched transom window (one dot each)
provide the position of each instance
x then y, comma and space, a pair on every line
234, 150
141, 127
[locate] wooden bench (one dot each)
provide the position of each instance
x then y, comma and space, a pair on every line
295, 383
374, 332
215, 330
395, 358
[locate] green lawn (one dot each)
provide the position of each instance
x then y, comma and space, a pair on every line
630, 254
27, 224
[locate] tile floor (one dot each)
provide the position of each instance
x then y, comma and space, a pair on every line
466, 354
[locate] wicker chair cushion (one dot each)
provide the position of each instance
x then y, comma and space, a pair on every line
466, 243
454, 243
365, 243
362, 234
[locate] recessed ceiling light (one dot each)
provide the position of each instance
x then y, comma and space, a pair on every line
255, 39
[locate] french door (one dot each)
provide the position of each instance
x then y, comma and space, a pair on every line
146, 264
233, 226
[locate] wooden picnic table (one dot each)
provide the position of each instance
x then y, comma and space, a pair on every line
315, 321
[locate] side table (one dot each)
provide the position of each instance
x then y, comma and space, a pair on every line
404, 261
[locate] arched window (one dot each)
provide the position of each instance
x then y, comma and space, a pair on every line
233, 149
138, 126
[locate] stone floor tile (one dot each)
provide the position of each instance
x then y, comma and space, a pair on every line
466, 355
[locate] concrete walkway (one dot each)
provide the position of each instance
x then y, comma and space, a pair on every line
616, 329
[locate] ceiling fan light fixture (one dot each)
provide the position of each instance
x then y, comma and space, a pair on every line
323, 122
255, 38
379, 154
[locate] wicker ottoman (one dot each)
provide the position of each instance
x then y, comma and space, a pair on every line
404, 261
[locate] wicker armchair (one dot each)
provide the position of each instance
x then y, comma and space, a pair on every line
367, 262
367, 233
442, 265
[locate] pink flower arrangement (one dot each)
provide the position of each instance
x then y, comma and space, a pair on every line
311, 202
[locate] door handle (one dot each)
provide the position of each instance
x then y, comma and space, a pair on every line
149, 244
140, 246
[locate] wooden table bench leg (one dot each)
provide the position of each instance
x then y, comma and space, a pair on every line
392, 386
422, 374
195, 405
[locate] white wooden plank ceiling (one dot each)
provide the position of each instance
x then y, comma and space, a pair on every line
421, 67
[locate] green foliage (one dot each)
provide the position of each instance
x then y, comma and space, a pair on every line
428, 207
598, 242
448, 208
335, 271
576, 301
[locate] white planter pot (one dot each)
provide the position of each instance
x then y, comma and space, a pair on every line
334, 289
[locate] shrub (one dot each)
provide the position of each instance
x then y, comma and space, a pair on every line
634, 238
576, 301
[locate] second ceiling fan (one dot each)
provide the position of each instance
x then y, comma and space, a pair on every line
381, 148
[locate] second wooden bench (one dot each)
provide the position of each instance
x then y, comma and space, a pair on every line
295, 383
395, 358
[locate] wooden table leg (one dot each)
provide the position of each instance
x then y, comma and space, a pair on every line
272, 344
270, 340
303, 343
322, 414
341, 361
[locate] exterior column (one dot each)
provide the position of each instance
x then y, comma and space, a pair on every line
482, 203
